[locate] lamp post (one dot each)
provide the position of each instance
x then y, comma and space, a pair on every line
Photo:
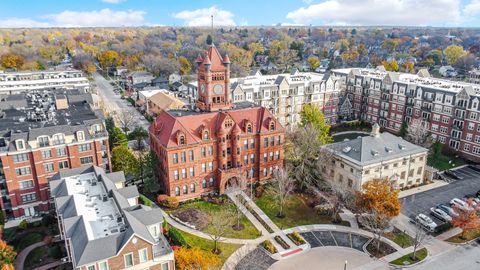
345, 265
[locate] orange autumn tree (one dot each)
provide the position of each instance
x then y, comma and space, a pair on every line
379, 196
195, 258
467, 219
7, 254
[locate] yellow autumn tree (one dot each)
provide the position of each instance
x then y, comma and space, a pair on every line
108, 58
390, 65
12, 60
453, 53
379, 196
185, 66
195, 258
313, 62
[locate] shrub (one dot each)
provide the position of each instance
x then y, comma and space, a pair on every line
282, 242
176, 237
443, 228
145, 201
55, 252
259, 191
23, 224
169, 202
48, 220
269, 246
2, 218
296, 238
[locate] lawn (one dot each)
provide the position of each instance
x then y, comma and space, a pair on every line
35, 257
249, 231
205, 244
441, 162
407, 260
469, 235
400, 238
25, 240
297, 212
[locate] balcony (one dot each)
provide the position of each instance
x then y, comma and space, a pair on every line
161, 248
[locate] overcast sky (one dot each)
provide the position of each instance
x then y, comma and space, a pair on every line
84, 13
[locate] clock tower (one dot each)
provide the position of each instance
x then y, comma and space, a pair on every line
213, 74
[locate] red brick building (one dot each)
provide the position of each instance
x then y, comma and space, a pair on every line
201, 150
53, 133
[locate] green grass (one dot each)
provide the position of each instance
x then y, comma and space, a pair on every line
400, 238
26, 240
249, 231
207, 245
34, 258
407, 260
469, 235
441, 162
297, 212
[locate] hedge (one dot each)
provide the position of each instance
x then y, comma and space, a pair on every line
176, 237
269, 246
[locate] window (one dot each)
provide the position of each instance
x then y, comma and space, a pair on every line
252, 158
204, 167
43, 141
175, 174
20, 144
249, 128
419, 170
192, 172
103, 266
23, 171
143, 255
128, 258
204, 183
183, 157
272, 141
84, 147
265, 142
190, 155
185, 189
245, 144
177, 191
46, 154
61, 152
86, 160
205, 135
210, 182
91, 267
63, 164
192, 187
80, 136
271, 155
165, 266
58, 139
175, 158
182, 140
264, 171
210, 166
20, 158
265, 157
245, 159
277, 155
29, 197
184, 173
48, 167
26, 184
203, 152
210, 150
252, 143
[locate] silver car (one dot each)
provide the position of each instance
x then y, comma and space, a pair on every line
448, 210
426, 222
440, 214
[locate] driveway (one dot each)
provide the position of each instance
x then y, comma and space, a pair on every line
113, 103
421, 202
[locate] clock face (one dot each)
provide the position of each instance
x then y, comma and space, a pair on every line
218, 89
202, 88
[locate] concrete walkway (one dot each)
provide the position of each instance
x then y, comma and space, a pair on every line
49, 266
435, 184
20, 260
347, 215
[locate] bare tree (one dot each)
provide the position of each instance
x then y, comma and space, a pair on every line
126, 119
220, 224
283, 186
419, 237
418, 132
339, 197
377, 223
237, 183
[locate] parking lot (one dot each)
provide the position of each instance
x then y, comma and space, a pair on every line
422, 202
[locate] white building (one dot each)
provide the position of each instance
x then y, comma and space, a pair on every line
18, 82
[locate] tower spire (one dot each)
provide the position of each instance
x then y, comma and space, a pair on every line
211, 30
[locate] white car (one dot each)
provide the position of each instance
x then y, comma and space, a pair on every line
460, 204
426, 222
440, 214
448, 210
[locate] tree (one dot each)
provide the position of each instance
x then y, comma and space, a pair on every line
436, 56
390, 65
312, 116
453, 53
185, 66
313, 62
256, 47
12, 60
379, 196
283, 186
109, 58
117, 138
235, 185
126, 120
418, 132
221, 223
124, 160
90, 68
209, 40
418, 239
148, 173
239, 56
378, 223
195, 258
7, 253
408, 67
467, 219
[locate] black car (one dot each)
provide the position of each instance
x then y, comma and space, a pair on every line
453, 175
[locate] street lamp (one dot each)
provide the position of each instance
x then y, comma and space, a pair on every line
345, 266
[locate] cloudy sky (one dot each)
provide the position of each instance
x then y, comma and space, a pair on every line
85, 13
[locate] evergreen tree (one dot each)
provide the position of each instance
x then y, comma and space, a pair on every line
124, 160
149, 177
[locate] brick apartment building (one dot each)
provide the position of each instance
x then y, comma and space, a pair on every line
450, 109
104, 226
202, 150
41, 133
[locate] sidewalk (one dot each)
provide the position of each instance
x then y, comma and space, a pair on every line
435, 184
20, 260
347, 215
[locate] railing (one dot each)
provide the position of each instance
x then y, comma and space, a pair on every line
161, 248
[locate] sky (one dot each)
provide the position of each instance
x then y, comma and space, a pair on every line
107, 13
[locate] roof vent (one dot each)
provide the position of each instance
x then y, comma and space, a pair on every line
401, 146
374, 153
346, 149
388, 149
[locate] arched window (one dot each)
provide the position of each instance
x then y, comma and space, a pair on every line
205, 135
192, 187
211, 182
177, 191
204, 183
185, 189
249, 128
181, 140
272, 126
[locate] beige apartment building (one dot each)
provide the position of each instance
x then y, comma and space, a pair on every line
380, 155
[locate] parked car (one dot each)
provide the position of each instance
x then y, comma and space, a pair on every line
453, 174
448, 210
440, 214
426, 222
475, 200
474, 167
459, 203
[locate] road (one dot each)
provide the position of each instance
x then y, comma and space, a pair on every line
464, 257
113, 103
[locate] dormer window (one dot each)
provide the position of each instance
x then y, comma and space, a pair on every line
80, 136
249, 128
272, 126
58, 139
205, 135
43, 141
20, 144
181, 140
96, 128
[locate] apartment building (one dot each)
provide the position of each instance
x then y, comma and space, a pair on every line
103, 225
450, 109
378, 156
26, 81
206, 149
41, 133
474, 76
285, 94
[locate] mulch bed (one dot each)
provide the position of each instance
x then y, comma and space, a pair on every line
385, 249
193, 216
